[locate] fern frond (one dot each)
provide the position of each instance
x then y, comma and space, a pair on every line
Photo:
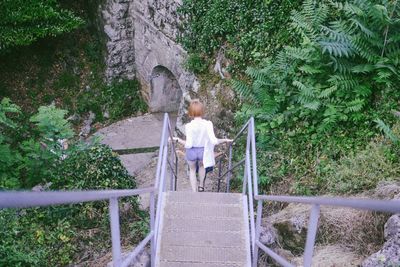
342, 65
363, 68
363, 91
304, 90
386, 130
6, 106
242, 88
359, 25
364, 49
310, 69
343, 81
337, 49
355, 105
298, 53
314, 105
328, 92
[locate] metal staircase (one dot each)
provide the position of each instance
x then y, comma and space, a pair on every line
199, 229
203, 229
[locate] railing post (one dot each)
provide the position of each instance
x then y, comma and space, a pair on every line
250, 192
161, 152
176, 173
219, 173
311, 234
160, 191
258, 229
115, 233
253, 154
244, 187
228, 179
171, 167
152, 224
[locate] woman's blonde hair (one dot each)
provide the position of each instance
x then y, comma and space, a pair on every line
196, 108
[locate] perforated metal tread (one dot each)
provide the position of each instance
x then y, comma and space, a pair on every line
203, 229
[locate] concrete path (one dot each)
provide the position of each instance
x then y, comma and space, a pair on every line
136, 132
144, 132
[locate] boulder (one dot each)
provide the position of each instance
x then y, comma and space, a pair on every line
389, 254
291, 225
331, 256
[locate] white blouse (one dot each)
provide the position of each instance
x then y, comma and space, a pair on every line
200, 133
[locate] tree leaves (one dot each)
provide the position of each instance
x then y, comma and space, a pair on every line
22, 22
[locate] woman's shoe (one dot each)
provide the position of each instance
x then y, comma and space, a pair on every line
200, 189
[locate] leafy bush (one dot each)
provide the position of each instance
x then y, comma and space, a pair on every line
57, 235
33, 238
30, 158
317, 101
23, 22
8, 158
96, 167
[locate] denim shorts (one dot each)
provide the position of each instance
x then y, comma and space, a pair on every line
194, 153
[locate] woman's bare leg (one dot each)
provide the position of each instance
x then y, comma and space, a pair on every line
192, 175
202, 174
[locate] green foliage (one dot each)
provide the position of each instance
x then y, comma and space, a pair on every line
31, 158
96, 168
386, 130
23, 22
55, 236
33, 238
363, 170
316, 84
196, 63
7, 107
119, 99
318, 100
248, 30
51, 122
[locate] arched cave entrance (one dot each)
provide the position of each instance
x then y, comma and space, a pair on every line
165, 91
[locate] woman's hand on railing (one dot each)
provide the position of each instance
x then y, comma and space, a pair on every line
225, 140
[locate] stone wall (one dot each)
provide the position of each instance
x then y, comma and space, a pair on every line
156, 29
141, 38
119, 29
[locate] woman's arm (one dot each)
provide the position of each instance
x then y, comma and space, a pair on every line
212, 137
225, 140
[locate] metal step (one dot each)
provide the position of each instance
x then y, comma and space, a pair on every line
195, 210
205, 197
204, 239
204, 254
203, 229
201, 225
200, 264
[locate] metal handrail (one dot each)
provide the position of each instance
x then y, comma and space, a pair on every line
28, 199
250, 188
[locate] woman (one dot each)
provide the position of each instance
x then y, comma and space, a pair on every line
199, 144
